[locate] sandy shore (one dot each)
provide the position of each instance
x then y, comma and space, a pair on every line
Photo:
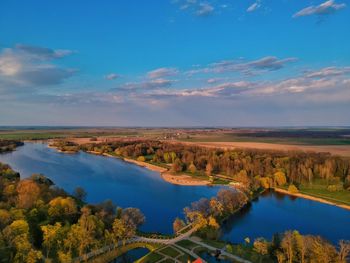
279, 190
183, 179
149, 166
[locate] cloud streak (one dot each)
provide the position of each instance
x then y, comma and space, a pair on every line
326, 8
269, 63
162, 72
253, 7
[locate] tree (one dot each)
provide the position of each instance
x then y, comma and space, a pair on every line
141, 158
192, 168
61, 206
5, 218
293, 189
287, 245
280, 178
51, 237
133, 218
80, 193
177, 166
213, 223
196, 218
216, 208
209, 169
28, 193
178, 225
231, 200
261, 246
321, 251
119, 230
300, 245
344, 250
17, 236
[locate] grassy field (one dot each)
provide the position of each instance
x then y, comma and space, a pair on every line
169, 251
319, 188
150, 258
340, 196
187, 244
109, 256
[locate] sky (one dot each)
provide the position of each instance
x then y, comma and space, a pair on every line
175, 63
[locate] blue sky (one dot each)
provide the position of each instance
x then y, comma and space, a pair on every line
170, 63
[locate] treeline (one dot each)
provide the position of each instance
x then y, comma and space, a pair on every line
41, 222
206, 215
252, 168
9, 145
292, 247
65, 146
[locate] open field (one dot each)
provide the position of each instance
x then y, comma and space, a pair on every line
342, 150
333, 140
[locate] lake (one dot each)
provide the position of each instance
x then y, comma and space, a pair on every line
131, 185
126, 184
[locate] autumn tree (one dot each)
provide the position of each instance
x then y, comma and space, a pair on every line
61, 206
28, 193
344, 251
51, 237
178, 225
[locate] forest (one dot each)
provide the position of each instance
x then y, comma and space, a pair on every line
40, 222
252, 168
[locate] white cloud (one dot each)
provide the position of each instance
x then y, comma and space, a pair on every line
198, 8
325, 8
255, 6
111, 76
269, 63
31, 67
162, 72
204, 9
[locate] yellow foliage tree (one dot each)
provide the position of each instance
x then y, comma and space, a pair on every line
280, 178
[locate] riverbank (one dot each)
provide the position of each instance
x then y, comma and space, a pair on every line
59, 150
313, 198
188, 180
183, 179
178, 179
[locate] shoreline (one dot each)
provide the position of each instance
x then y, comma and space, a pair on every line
166, 175
313, 198
187, 180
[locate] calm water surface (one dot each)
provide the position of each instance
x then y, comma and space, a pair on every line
274, 213
127, 185
130, 185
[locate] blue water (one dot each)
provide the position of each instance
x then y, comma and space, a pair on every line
130, 185
275, 213
127, 185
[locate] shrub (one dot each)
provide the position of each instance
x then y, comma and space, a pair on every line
141, 158
293, 189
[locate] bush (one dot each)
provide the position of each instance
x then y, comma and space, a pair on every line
334, 188
293, 189
141, 158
